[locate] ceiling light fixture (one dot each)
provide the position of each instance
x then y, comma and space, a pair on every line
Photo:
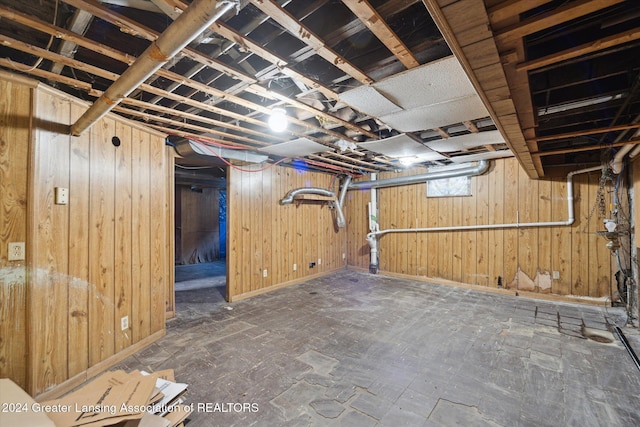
278, 120
408, 161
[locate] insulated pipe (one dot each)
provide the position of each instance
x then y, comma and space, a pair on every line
200, 15
373, 235
343, 191
288, 199
616, 164
481, 167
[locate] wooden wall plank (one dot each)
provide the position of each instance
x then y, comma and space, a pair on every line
158, 239
101, 242
545, 235
469, 267
561, 242
49, 298
15, 151
79, 286
415, 197
400, 204
482, 236
269, 199
123, 236
510, 208
580, 270
433, 206
527, 237
141, 230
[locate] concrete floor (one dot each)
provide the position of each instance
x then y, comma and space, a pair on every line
355, 349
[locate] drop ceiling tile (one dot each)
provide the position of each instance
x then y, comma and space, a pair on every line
482, 156
295, 148
397, 146
464, 142
368, 100
432, 83
432, 116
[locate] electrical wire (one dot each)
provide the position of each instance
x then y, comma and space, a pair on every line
40, 59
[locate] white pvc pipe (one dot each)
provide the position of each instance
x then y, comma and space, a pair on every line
616, 164
571, 213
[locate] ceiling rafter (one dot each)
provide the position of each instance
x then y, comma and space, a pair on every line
299, 30
161, 72
583, 49
551, 18
137, 29
378, 26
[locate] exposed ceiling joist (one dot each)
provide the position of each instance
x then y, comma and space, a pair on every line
372, 19
296, 28
562, 14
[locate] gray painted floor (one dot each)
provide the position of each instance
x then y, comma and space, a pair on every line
355, 349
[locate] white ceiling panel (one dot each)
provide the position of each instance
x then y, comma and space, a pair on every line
295, 148
400, 146
432, 116
482, 156
429, 84
369, 100
464, 142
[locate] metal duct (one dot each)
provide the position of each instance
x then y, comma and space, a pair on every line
210, 154
200, 15
288, 199
481, 167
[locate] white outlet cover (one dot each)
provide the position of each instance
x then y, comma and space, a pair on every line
124, 323
16, 251
295, 267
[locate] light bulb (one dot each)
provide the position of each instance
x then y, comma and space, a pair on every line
278, 120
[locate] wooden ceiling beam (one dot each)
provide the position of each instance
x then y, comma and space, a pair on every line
583, 49
634, 141
473, 129
229, 138
587, 132
466, 28
512, 8
378, 26
299, 30
552, 18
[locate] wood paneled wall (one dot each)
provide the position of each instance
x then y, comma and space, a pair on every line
522, 259
265, 235
15, 137
104, 255
198, 226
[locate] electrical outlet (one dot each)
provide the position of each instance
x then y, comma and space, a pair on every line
319, 261
295, 267
61, 195
344, 256
124, 323
264, 273
556, 275
16, 251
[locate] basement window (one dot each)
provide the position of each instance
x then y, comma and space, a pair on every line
449, 187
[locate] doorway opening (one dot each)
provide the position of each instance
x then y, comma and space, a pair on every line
200, 238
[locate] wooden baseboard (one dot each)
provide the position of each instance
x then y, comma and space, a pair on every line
97, 369
603, 301
246, 295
